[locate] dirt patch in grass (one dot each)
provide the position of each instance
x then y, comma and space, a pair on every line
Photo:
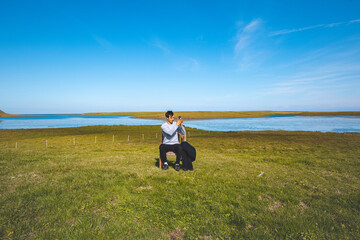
177, 234
303, 206
274, 207
31, 235
144, 188
72, 222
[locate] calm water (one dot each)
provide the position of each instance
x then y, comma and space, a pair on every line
289, 123
65, 122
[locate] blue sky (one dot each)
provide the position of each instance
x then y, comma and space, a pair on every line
109, 56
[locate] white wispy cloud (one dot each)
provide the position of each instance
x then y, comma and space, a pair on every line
178, 60
188, 64
340, 51
251, 45
195, 63
355, 21
245, 35
328, 25
159, 44
162, 46
305, 80
107, 45
321, 79
330, 68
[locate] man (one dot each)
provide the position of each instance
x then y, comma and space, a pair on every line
170, 142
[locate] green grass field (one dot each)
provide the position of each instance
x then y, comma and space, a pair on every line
310, 188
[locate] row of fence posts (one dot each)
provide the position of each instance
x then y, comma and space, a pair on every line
113, 139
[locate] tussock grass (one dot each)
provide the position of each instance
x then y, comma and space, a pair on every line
309, 189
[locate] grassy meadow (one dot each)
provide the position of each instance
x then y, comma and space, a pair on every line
309, 189
194, 115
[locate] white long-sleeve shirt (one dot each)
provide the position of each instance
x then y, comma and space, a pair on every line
169, 131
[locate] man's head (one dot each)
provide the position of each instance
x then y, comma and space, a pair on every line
169, 116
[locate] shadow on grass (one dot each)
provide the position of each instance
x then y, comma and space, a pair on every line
171, 164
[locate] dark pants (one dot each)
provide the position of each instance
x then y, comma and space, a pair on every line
176, 148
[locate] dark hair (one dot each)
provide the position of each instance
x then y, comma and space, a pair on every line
168, 114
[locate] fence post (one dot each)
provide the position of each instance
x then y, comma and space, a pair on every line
95, 139
128, 137
113, 138
46, 144
74, 141
143, 136
16, 145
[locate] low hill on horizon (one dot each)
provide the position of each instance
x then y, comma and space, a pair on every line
3, 114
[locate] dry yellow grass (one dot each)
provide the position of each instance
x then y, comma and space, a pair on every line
192, 115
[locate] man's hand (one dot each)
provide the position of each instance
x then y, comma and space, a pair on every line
179, 122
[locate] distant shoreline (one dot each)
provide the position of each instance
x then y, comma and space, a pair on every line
194, 115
